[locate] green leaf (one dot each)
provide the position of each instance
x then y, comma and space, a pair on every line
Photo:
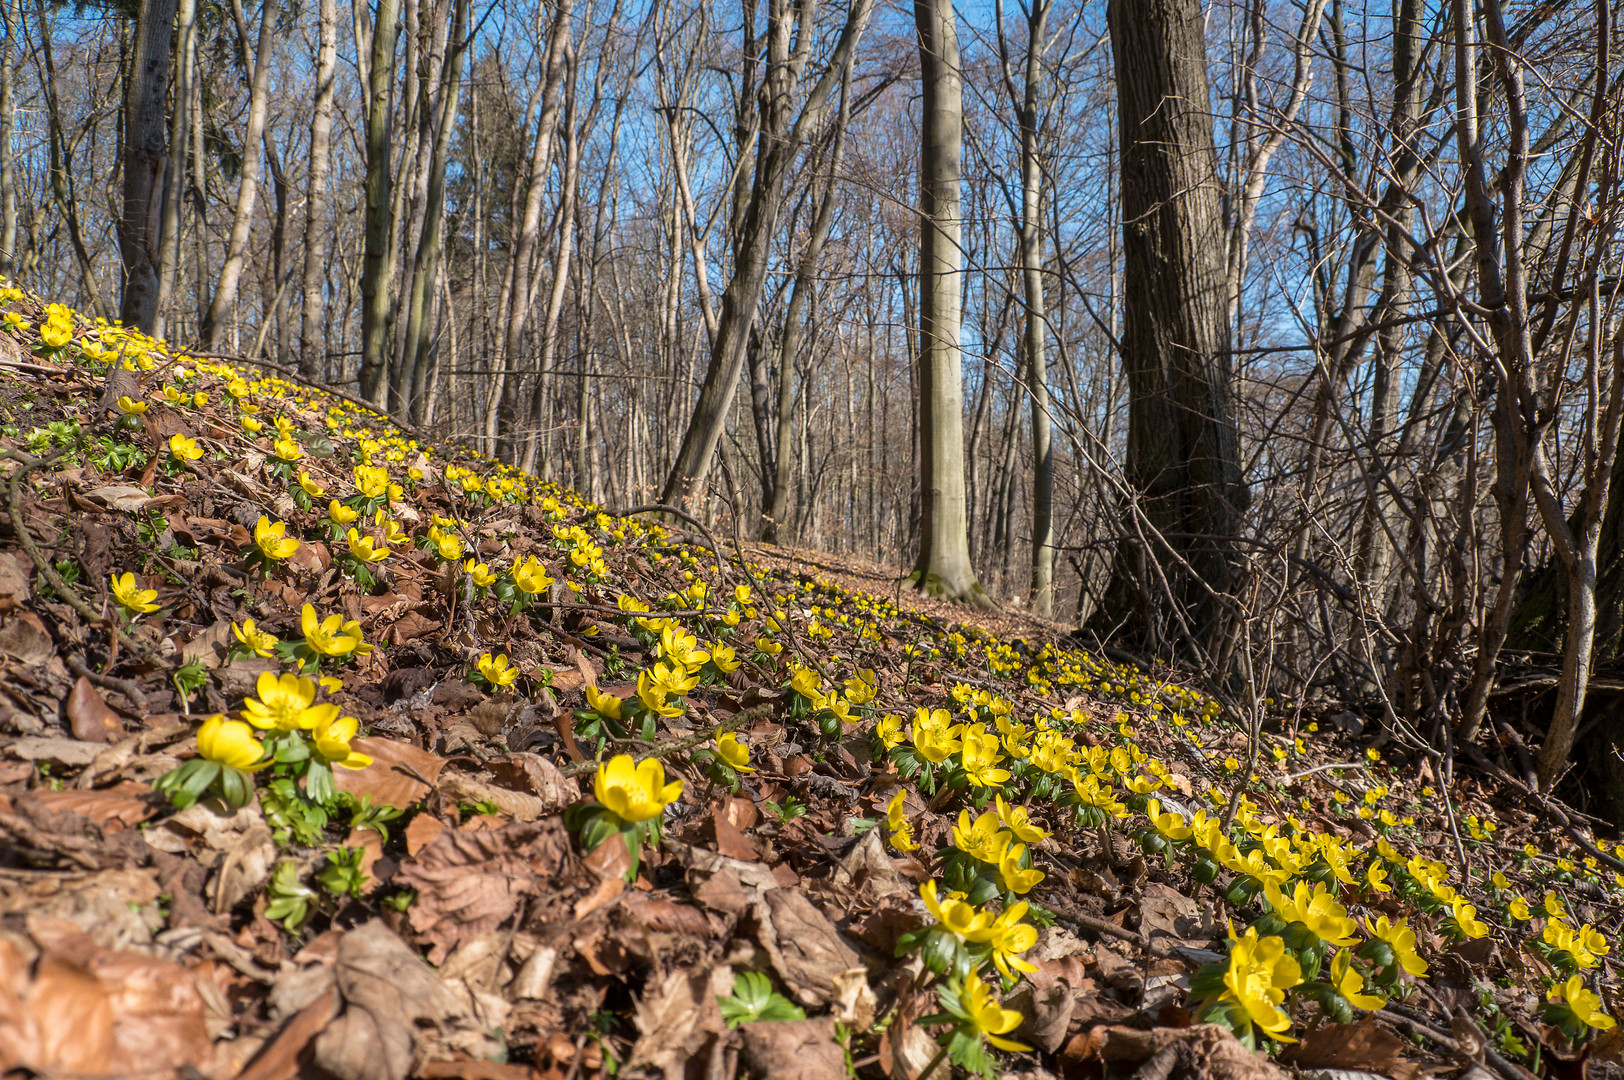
754, 999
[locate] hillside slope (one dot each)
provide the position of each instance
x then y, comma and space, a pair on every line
311, 741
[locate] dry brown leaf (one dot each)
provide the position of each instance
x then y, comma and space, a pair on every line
1362, 1046
1201, 1052
400, 774
424, 827
90, 718
793, 1050
397, 1013
677, 1018
1166, 913
126, 804
536, 775
279, 1058
468, 882
806, 950
1047, 1015
459, 787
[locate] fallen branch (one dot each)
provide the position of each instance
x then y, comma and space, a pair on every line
687, 742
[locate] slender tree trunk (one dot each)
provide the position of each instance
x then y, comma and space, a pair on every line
259, 67
175, 176
428, 260
378, 263
312, 344
11, 11
779, 140
943, 565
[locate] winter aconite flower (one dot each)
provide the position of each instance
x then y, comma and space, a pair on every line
1259, 974
184, 449
954, 915
897, 824
1401, 940
735, 753
259, 642
605, 705
634, 792
531, 577
331, 636
332, 740
231, 743
1008, 937
131, 597
362, 548
128, 405
496, 670
973, 1001
286, 703
272, 541
1579, 1006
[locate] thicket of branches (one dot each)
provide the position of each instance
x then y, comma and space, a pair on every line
532, 226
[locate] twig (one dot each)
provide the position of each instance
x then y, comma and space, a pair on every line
126, 687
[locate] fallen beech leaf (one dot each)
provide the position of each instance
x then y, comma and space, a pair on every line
1208, 1052
536, 775
24, 638
727, 838
809, 954
666, 916
424, 827
1362, 1046
279, 1058
460, 788
126, 804
469, 882
91, 718
793, 1050
400, 774
396, 1011
1047, 1014
678, 1017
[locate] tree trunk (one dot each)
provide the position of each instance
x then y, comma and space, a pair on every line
11, 11
146, 159
312, 343
378, 262
943, 565
176, 174
1183, 461
777, 144
259, 68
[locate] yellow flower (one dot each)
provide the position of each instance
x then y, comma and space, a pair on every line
130, 596
361, 547
200, 399
531, 577
981, 839
1016, 820
286, 704
231, 743
1553, 906
1317, 910
329, 636
446, 545
1401, 939
1170, 825
981, 757
1518, 909
250, 425
734, 753
889, 729
726, 661
332, 739
1350, 984
1260, 972
395, 536
259, 642
634, 791
987, 1013
56, 332
1465, 916
1009, 937
605, 705
341, 514
954, 915
482, 574
371, 481
896, 822
1584, 1004
311, 488
1016, 879
184, 449
1376, 878
271, 541
496, 670
127, 405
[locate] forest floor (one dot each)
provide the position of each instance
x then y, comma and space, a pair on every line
892, 815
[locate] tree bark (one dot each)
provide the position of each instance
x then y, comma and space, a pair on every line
259, 68
11, 11
1183, 459
146, 159
378, 262
943, 566
312, 343
778, 141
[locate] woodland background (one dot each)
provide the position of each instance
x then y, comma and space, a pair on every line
601, 238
